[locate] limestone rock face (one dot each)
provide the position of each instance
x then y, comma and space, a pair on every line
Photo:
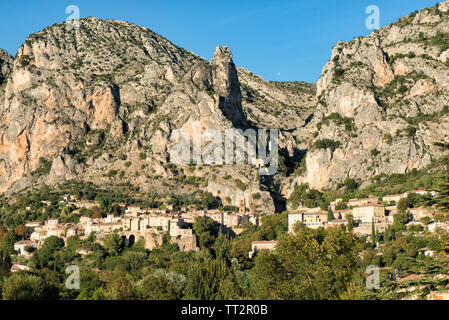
87, 101
64, 84
227, 85
101, 103
382, 85
107, 76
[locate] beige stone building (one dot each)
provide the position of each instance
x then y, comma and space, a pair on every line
310, 210
394, 197
21, 245
232, 220
342, 214
315, 220
368, 213
218, 217
333, 223
38, 235
257, 246
52, 222
33, 224
151, 227
293, 219
363, 202
74, 231
312, 220
419, 213
17, 267
84, 219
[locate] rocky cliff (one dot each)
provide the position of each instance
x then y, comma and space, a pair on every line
382, 102
101, 103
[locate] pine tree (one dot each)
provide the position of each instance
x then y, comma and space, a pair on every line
442, 186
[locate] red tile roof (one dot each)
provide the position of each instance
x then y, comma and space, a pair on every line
412, 277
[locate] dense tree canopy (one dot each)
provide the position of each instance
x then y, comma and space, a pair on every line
313, 264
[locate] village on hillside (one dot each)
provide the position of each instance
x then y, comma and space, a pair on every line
134, 223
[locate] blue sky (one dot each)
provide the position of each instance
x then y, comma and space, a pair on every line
281, 40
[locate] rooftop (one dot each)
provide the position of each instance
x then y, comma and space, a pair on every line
370, 205
265, 242
411, 277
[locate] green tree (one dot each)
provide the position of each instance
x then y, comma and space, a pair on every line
90, 281
303, 195
114, 243
48, 255
8, 243
425, 220
162, 286
222, 246
400, 219
5, 263
387, 234
205, 230
341, 206
313, 264
273, 226
210, 280
53, 244
350, 219
330, 214
402, 205
3, 232
118, 285
242, 245
22, 286
350, 184
442, 187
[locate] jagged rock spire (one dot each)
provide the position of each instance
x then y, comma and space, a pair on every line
227, 85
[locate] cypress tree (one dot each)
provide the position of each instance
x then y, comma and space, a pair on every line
373, 233
387, 235
350, 220
330, 214
442, 186
5, 263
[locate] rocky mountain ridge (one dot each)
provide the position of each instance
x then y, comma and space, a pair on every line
382, 102
100, 103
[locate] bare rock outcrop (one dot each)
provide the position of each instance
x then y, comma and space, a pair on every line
75, 103
101, 103
380, 99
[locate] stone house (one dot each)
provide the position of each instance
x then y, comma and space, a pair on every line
368, 213
363, 202
21, 245
394, 198
294, 218
315, 220
257, 246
